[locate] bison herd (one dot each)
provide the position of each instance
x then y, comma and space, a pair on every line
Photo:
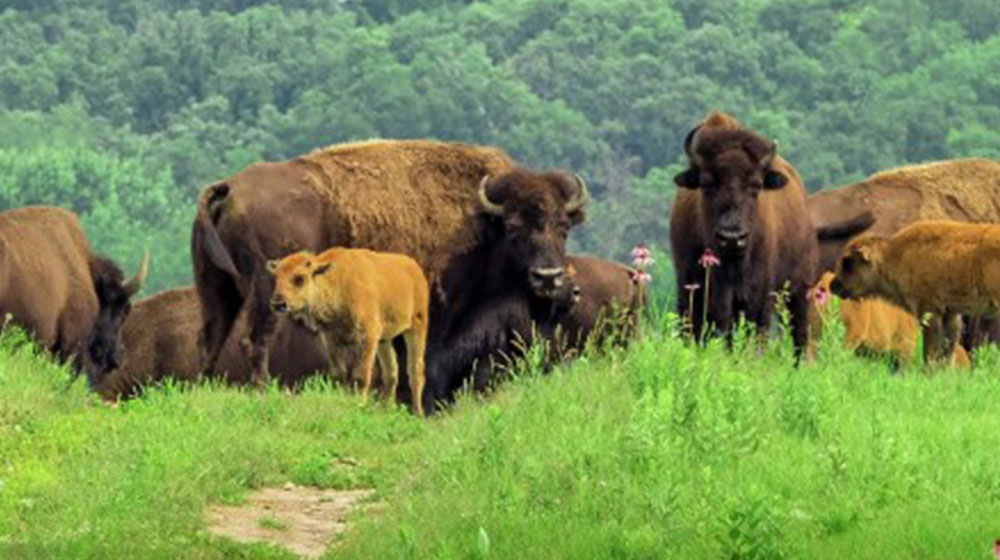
440, 261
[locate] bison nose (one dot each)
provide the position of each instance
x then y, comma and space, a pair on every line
837, 287
547, 279
732, 239
278, 306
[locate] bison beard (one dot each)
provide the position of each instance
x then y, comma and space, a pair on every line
423, 199
739, 199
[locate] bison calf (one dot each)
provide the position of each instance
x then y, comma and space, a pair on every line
936, 267
362, 298
876, 327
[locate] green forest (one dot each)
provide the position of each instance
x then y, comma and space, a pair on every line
123, 109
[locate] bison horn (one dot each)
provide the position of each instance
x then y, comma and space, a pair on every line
133, 286
768, 158
487, 205
582, 196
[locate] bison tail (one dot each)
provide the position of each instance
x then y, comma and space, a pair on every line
212, 243
846, 228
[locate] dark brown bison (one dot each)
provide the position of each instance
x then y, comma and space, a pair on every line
479, 227
70, 299
160, 340
964, 190
745, 203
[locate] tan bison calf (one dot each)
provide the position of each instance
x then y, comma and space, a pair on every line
936, 267
362, 298
874, 326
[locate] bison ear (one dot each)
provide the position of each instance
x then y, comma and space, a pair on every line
272, 266
321, 269
688, 178
774, 180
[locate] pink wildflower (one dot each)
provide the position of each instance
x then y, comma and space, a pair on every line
708, 259
641, 256
996, 549
642, 277
821, 296
692, 287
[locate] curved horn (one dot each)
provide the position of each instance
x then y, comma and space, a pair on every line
582, 196
485, 203
689, 139
769, 156
132, 286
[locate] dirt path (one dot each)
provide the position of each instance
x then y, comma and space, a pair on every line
298, 518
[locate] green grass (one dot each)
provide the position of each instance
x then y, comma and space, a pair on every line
661, 451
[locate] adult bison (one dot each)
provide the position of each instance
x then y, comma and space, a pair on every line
745, 203
964, 190
160, 340
53, 285
464, 213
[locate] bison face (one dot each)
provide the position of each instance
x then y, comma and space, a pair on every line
730, 168
857, 272
536, 212
114, 297
293, 285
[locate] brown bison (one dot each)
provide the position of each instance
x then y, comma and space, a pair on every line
877, 327
936, 267
742, 201
53, 285
160, 340
363, 299
480, 228
609, 298
599, 303
964, 190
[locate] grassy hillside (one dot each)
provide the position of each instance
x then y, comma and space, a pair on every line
662, 451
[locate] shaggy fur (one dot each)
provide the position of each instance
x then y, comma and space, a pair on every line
52, 285
361, 298
417, 198
160, 340
732, 184
942, 268
964, 190
876, 327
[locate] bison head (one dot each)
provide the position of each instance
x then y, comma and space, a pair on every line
293, 285
114, 296
535, 212
857, 272
730, 167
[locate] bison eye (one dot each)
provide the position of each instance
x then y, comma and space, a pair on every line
298, 281
847, 264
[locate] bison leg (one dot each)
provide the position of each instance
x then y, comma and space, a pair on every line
220, 304
366, 362
416, 345
952, 335
933, 333
799, 309
389, 369
262, 325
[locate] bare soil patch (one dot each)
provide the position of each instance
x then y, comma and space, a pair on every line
301, 519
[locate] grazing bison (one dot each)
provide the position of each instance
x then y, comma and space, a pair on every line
609, 297
964, 190
363, 299
745, 203
877, 327
452, 207
53, 285
160, 340
936, 267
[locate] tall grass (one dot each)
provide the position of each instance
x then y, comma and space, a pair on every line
660, 451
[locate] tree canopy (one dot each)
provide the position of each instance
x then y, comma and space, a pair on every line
122, 109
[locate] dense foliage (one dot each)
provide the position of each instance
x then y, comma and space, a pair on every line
122, 109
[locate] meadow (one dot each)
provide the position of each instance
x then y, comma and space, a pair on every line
663, 450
